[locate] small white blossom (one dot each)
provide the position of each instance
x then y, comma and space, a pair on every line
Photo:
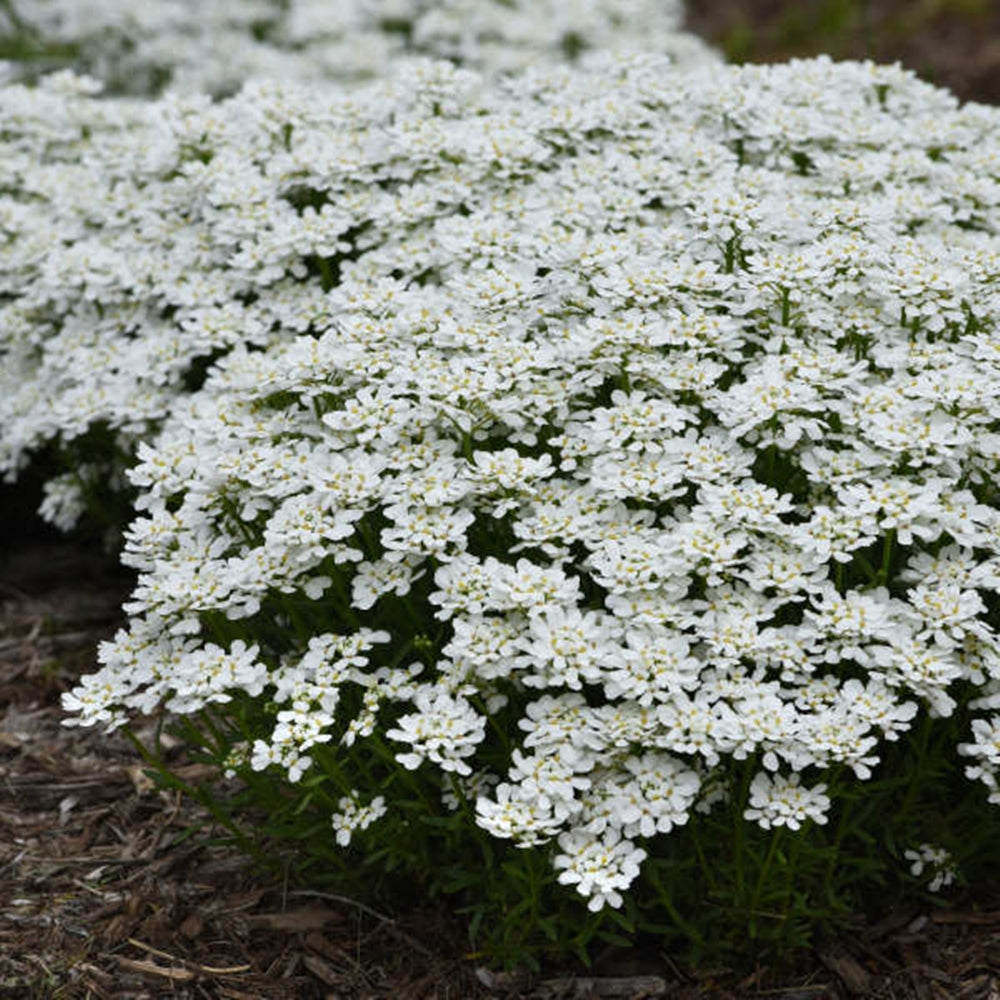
352, 816
776, 800
934, 860
445, 730
599, 866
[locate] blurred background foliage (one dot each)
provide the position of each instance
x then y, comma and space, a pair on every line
953, 43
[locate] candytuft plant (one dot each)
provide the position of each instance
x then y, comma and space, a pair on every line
576, 494
162, 45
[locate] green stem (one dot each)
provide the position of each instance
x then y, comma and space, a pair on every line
20, 25
325, 756
531, 868
730, 251
325, 273
789, 881
338, 596
663, 896
477, 701
215, 730
887, 545
409, 777
416, 620
706, 869
302, 632
916, 780
739, 829
776, 837
847, 804
372, 547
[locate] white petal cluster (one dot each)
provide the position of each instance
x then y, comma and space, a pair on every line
784, 801
936, 862
145, 47
598, 866
985, 750
603, 399
354, 816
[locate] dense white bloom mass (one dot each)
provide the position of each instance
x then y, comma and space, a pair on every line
216, 46
649, 410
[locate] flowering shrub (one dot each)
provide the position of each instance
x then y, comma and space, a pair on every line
142, 48
597, 462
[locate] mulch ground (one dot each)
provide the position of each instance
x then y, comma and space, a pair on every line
112, 889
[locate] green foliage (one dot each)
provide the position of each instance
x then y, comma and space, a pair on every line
718, 891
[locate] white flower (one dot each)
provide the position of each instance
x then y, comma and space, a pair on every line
486, 648
352, 816
532, 587
642, 561
876, 705
445, 730
508, 470
599, 866
776, 800
567, 646
942, 868
848, 623
653, 795
551, 777
520, 814
653, 667
946, 611
347, 42
419, 530
639, 434
907, 507
467, 584
385, 576
787, 570
986, 751
709, 547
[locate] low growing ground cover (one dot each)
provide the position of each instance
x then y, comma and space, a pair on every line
116, 889
569, 495
598, 463
158, 45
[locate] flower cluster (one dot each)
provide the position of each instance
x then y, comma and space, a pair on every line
144, 48
354, 816
782, 801
572, 436
935, 861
